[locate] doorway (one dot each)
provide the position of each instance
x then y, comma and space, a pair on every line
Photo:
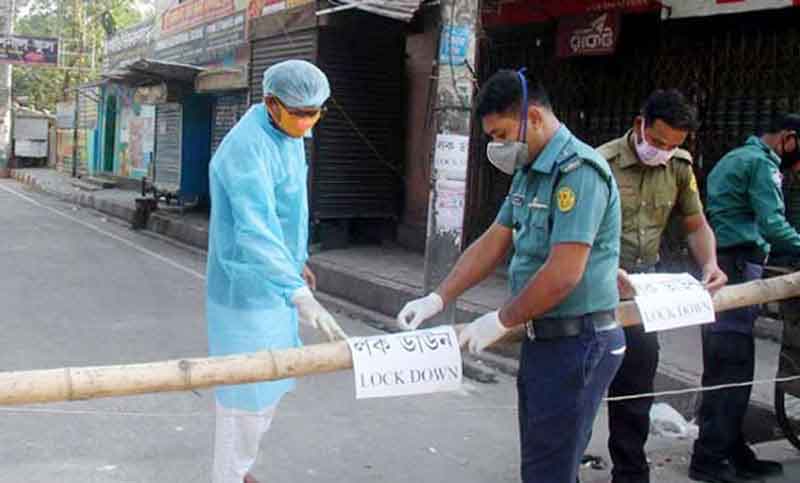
110, 134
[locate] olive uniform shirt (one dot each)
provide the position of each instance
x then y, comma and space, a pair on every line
649, 194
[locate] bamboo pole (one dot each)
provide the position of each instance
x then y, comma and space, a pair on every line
80, 383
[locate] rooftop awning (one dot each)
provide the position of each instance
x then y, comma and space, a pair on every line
21, 111
221, 79
144, 71
397, 9
92, 84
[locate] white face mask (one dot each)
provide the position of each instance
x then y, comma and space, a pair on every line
508, 156
651, 155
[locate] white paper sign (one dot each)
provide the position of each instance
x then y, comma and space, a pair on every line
668, 301
450, 156
419, 362
449, 212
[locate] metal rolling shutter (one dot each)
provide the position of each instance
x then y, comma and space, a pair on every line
168, 146
354, 177
266, 52
791, 193
228, 110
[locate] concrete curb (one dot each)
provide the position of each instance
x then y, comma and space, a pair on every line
86, 200
158, 223
183, 232
376, 293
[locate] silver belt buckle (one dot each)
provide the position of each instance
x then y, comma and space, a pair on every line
605, 326
529, 329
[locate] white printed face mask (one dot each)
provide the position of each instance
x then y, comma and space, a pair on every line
651, 155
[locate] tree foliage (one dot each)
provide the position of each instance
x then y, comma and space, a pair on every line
82, 26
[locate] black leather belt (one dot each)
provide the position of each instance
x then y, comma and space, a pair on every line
557, 327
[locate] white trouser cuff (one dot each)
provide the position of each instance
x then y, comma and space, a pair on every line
236, 441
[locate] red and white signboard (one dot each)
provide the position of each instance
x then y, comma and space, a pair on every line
697, 8
191, 13
593, 34
520, 12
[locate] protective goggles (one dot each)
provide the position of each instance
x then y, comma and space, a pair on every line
302, 112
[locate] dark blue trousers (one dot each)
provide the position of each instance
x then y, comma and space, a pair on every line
728, 357
561, 383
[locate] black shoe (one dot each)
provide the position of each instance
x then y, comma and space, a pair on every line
719, 473
758, 467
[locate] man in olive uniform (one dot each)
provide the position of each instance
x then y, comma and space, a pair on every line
562, 217
655, 179
746, 210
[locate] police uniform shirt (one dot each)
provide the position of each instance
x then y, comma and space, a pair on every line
568, 195
745, 202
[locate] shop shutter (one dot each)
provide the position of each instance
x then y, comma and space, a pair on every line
266, 52
360, 141
228, 109
167, 171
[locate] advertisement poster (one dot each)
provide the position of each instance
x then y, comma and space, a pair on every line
450, 162
204, 32
141, 136
17, 49
209, 43
197, 32
187, 15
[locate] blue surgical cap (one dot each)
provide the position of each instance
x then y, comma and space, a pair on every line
297, 83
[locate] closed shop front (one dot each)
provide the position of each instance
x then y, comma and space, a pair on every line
738, 69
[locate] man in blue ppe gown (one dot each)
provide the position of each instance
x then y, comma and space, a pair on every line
258, 283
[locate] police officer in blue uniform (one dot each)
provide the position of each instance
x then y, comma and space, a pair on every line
562, 217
